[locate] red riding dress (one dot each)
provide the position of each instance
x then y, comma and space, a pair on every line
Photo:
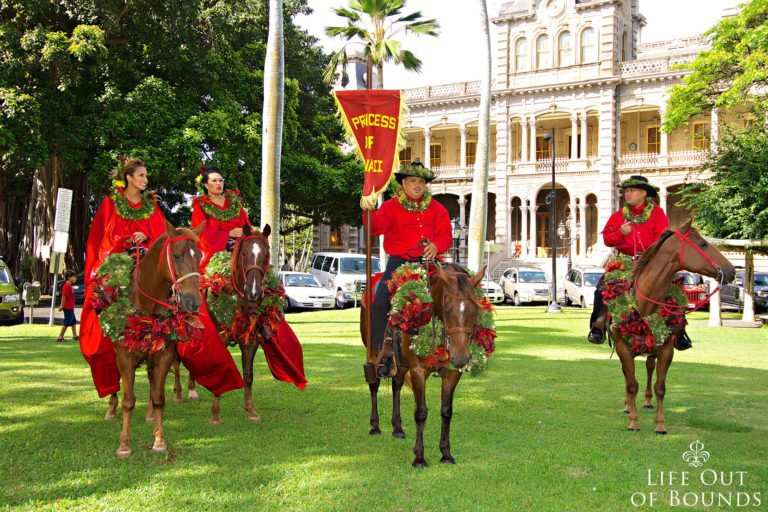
641, 237
216, 232
210, 363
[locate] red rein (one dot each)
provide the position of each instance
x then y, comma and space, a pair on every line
168, 258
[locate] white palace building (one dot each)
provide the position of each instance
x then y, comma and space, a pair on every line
575, 67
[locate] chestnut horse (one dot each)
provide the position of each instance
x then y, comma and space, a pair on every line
654, 272
455, 303
168, 272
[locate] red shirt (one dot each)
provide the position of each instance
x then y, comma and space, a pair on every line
215, 232
642, 235
67, 296
403, 229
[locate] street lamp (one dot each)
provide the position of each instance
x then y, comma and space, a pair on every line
564, 228
456, 227
554, 307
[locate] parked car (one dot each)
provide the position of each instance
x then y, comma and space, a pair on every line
78, 288
733, 294
11, 310
525, 285
342, 273
580, 284
304, 291
693, 286
492, 291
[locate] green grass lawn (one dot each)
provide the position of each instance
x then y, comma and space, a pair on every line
543, 429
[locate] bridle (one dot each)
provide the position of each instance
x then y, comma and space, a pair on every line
446, 330
684, 240
174, 280
241, 263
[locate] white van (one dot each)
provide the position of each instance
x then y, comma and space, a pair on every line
342, 273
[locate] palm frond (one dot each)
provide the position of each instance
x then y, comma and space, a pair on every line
424, 27
411, 62
338, 58
346, 13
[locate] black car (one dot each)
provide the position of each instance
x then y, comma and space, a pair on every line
78, 287
733, 294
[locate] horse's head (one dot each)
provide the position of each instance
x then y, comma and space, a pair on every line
250, 263
180, 263
456, 303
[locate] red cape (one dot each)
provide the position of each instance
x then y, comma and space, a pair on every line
285, 357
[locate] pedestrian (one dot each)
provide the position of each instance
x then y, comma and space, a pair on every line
68, 306
287, 267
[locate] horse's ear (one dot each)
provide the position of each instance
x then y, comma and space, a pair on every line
266, 231
686, 227
442, 275
478, 278
169, 229
199, 229
247, 229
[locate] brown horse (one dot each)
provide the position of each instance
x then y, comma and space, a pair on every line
168, 272
680, 249
455, 303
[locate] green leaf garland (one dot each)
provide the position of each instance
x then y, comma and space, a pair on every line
126, 211
230, 212
626, 212
414, 206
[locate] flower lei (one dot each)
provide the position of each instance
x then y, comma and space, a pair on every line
230, 212
119, 319
127, 211
412, 308
643, 334
626, 212
240, 323
410, 204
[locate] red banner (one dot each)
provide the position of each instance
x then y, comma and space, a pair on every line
372, 118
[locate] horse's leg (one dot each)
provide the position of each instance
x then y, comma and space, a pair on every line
397, 386
150, 418
419, 382
628, 368
450, 380
249, 352
373, 387
666, 353
112, 410
127, 368
177, 382
192, 395
650, 366
161, 365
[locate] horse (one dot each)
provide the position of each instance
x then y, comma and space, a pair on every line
455, 303
676, 250
168, 272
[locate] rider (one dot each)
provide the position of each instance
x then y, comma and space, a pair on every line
413, 226
631, 231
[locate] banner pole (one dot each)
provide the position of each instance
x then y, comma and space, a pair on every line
368, 287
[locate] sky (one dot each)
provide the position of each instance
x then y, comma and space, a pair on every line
450, 57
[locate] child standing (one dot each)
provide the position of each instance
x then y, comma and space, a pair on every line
68, 306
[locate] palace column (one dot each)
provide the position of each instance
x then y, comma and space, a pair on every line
427, 152
574, 137
524, 141
463, 149
583, 154
524, 228
532, 235
532, 154
572, 228
664, 149
583, 228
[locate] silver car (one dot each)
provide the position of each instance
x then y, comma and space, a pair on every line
524, 285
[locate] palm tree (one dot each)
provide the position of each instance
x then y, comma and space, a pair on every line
478, 212
272, 128
375, 23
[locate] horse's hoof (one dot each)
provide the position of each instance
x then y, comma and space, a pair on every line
158, 448
178, 400
661, 432
626, 411
215, 422
647, 406
419, 464
399, 434
149, 419
630, 429
110, 416
448, 460
255, 418
193, 395
375, 431
123, 453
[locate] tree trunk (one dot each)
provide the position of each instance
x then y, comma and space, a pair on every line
380, 75
749, 286
478, 213
272, 128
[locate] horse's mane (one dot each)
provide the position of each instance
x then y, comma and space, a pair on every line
462, 279
648, 255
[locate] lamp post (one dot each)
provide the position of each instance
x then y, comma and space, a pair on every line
562, 229
554, 307
456, 228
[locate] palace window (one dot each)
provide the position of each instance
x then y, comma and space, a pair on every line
471, 152
542, 148
701, 135
654, 139
334, 237
435, 155
542, 52
521, 55
624, 46
565, 49
588, 45
405, 154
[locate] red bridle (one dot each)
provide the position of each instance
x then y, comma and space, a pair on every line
241, 263
174, 281
684, 240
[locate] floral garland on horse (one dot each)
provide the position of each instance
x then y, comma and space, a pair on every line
412, 312
240, 323
119, 319
642, 334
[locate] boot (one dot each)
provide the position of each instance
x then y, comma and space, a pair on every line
387, 354
597, 332
682, 341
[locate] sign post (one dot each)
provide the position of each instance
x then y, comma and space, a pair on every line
60, 240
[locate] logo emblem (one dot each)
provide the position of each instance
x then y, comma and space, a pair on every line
697, 455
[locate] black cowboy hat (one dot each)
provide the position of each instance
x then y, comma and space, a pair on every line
416, 169
640, 182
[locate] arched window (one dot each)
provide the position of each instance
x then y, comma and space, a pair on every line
564, 49
521, 55
542, 52
588, 45
624, 49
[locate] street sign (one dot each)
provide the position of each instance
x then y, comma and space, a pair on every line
57, 264
60, 239
63, 209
